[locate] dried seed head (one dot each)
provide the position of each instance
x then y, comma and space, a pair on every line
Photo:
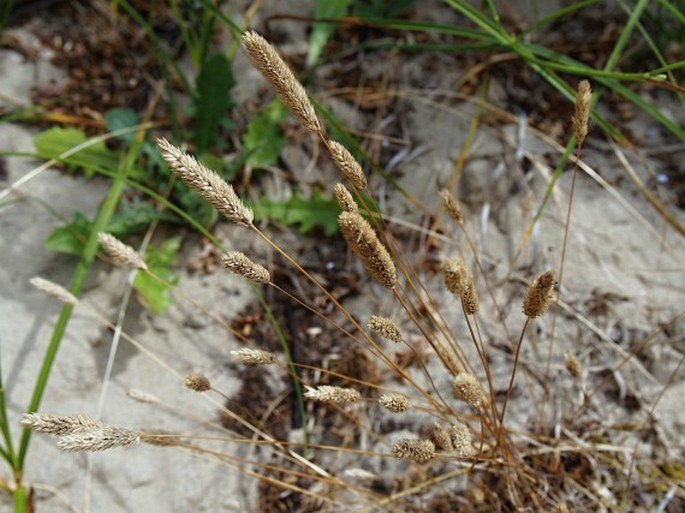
461, 440
441, 438
332, 394
447, 357
539, 295
582, 112
214, 189
197, 382
451, 205
412, 449
386, 328
396, 403
141, 396
573, 365
122, 254
98, 439
54, 290
344, 198
459, 280
347, 164
467, 388
58, 426
239, 263
364, 243
254, 356
266, 59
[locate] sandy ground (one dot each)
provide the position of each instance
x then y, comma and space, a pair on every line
620, 250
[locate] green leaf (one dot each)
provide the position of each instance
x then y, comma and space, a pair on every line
152, 292
263, 140
54, 142
212, 100
322, 32
315, 212
70, 238
118, 119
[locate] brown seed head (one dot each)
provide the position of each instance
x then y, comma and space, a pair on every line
582, 112
254, 356
459, 280
461, 440
467, 388
344, 198
214, 189
394, 402
441, 438
364, 243
122, 254
348, 165
385, 328
539, 295
451, 205
333, 394
54, 290
412, 449
266, 59
573, 365
197, 382
239, 263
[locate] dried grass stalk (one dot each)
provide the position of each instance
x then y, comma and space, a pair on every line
56, 291
386, 328
451, 205
365, 244
411, 449
344, 198
58, 426
122, 254
582, 111
197, 382
98, 439
239, 263
539, 295
266, 59
254, 356
394, 402
206, 182
333, 394
348, 165
467, 388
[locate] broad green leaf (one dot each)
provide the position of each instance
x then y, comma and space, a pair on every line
322, 32
56, 141
117, 119
263, 140
152, 292
70, 238
212, 100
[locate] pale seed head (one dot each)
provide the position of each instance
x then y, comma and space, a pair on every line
333, 394
386, 328
344, 198
451, 205
348, 165
254, 356
416, 450
467, 388
441, 438
461, 440
459, 280
52, 289
573, 365
98, 439
239, 263
394, 402
58, 426
122, 254
539, 295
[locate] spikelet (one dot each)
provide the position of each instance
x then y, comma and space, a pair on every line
266, 59
441, 438
348, 165
364, 243
122, 254
582, 111
539, 295
142, 396
467, 388
54, 290
239, 263
98, 439
394, 402
386, 328
451, 205
197, 382
459, 280
332, 394
214, 189
413, 449
573, 365
58, 426
344, 198
461, 440
254, 356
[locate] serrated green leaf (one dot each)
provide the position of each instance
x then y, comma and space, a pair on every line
153, 293
55, 141
322, 32
307, 213
212, 100
263, 139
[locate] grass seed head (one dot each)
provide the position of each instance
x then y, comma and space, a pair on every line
459, 281
273, 68
413, 449
333, 394
573, 365
122, 254
467, 388
214, 189
344, 198
98, 439
582, 111
52, 289
442, 439
254, 356
348, 165
461, 440
364, 242
239, 263
386, 328
58, 426
451, 205
394, 402
539, 295
197, 382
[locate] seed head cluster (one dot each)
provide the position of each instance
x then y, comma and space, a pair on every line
459, 281
419, 451
239, 263
385, 328
539, 295
394, 402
